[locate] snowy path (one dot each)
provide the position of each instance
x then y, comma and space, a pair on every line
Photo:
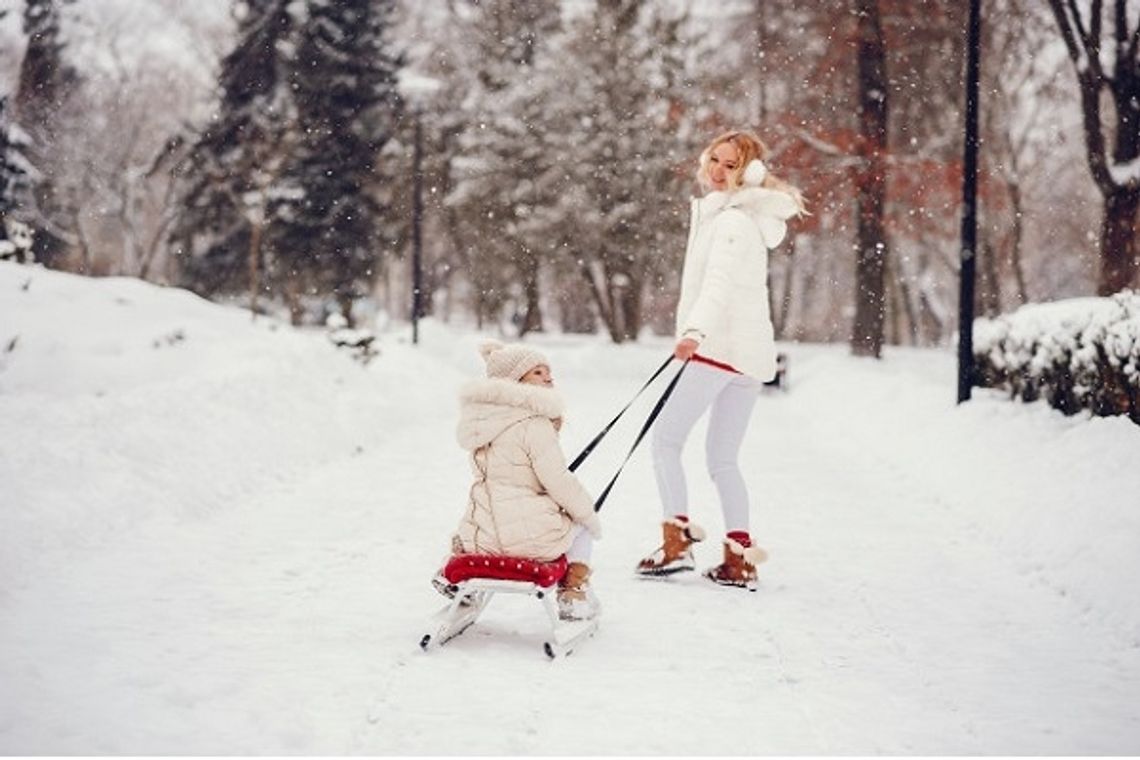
221, 545
905, 634
896, 615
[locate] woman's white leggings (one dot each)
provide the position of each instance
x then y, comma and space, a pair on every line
731, 397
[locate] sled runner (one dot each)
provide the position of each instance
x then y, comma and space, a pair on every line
471, 580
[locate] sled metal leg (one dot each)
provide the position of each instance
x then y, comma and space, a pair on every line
473, 596
459, 614
565, 635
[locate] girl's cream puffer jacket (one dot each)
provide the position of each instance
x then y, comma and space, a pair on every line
524, 501
724, 283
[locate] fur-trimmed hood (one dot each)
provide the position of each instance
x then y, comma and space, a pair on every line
767, 208
489, 406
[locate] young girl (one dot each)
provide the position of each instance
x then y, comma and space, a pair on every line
524, 501
724, 327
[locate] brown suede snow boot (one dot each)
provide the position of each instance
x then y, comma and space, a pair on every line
576, 600
739, 565
675, 554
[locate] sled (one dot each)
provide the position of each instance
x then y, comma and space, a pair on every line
472, 580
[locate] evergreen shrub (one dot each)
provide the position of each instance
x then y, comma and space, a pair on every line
1078, 354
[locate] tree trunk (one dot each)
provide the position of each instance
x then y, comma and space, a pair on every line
906, 298
1119, 250
605, 310
762, 78
427, 292
293, 300
529, 269
344, 301
785, 302
85, 262
892, 327
1119, 262
989, 294
130, 262
254, 266
1016, 235
576, 315
627, 301
870, 184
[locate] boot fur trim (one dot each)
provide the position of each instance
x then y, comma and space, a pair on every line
694, 532
753, 555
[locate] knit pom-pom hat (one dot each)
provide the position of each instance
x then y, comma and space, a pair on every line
510, 361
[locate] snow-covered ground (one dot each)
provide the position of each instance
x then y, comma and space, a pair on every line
216, 537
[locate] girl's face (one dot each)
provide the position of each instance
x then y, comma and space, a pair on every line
723, 162
540, 375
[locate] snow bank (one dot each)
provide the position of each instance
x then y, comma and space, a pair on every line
1082, 353
122, 401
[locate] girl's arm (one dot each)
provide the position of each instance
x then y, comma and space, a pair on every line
561, 484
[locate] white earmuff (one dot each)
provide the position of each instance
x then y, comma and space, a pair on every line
755, 172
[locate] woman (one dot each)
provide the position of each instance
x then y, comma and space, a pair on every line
524, 501
724, 327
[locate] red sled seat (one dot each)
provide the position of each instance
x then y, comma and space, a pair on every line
463, 567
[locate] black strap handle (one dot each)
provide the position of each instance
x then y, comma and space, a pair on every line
597, 439
644, 429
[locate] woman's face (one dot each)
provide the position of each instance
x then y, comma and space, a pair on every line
723, 161
540, 375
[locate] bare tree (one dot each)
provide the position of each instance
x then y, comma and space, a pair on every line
1022, 95
1109, 66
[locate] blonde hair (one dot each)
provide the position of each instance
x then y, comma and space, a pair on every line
748, 147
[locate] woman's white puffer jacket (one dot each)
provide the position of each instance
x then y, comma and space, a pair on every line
724, 283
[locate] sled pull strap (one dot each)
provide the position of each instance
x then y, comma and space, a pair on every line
597, 439
644, 429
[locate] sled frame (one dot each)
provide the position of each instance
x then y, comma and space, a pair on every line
471, 597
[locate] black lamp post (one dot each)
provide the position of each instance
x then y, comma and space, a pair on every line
417, 90
417, 231
969, 208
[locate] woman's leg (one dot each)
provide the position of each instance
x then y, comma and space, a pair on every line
728, 422
691, 398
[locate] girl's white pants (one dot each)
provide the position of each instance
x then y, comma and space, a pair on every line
729, 397
582, 546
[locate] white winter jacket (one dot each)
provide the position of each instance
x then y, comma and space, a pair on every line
524, 501
724, 283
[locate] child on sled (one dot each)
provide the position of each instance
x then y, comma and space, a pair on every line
524, 502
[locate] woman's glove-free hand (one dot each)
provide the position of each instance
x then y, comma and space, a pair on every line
685, 349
